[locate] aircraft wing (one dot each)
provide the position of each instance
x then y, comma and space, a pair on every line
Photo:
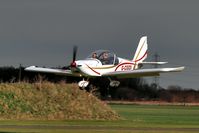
49, 70
142, 72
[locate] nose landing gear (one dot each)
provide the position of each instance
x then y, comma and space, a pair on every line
83, 84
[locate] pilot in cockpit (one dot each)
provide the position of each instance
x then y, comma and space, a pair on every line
105, 58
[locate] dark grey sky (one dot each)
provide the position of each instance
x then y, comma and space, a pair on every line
43, 32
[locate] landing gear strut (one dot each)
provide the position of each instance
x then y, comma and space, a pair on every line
113, 83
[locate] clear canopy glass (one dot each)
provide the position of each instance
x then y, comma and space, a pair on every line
106, 57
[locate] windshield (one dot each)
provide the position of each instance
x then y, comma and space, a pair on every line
106, 57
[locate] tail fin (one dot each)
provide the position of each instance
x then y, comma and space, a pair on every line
141, 52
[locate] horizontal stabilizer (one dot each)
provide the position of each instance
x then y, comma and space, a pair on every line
153, 63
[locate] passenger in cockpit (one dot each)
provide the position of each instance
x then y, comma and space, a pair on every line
94, 55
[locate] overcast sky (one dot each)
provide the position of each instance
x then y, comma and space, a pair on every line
43, 32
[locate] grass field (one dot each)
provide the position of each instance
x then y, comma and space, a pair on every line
136, 118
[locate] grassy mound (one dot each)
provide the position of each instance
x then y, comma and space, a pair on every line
49, 101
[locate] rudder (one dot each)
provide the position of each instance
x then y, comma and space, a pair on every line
141, 52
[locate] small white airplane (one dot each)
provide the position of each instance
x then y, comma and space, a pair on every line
107, 64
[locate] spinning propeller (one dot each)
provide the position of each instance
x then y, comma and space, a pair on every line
73, 64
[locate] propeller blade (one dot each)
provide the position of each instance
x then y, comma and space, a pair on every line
66, 67
73, 64
74, 53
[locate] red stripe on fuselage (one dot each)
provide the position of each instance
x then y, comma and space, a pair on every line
124, 64
93, 70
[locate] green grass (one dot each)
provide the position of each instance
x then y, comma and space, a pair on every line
49, 101
159, 116
46, 107
136, 118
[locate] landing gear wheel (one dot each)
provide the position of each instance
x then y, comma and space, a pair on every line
114, 83
83, 84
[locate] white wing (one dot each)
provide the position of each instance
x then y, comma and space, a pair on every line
143, 72
49, 70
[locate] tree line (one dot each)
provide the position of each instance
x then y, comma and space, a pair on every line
135, 89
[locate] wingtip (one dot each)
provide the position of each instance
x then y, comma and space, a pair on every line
182, 68
28, 68
179, 69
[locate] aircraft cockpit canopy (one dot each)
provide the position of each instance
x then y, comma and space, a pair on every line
105, 57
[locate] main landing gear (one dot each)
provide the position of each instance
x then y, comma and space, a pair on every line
113, 83
86, 85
